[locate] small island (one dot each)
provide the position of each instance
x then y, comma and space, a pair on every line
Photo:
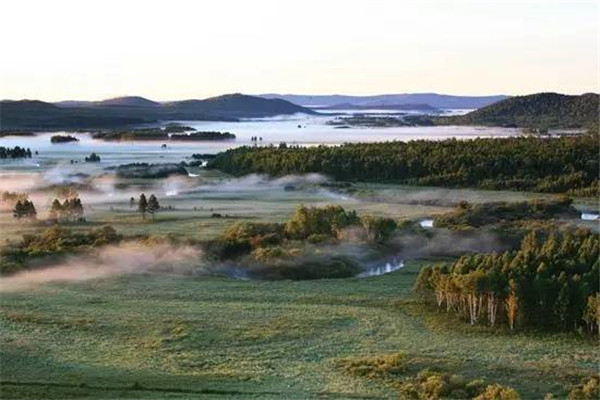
166, 134
63, 139
368, 121
175, 128
93, 158
203, 136
148, 171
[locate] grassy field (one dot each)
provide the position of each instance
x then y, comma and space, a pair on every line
174, 336
157, 336
191, 213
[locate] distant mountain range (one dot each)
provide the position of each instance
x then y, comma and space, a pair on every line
123, 111
425, 108
539, 111
378, 101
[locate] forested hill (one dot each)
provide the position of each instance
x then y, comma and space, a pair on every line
559, 165
540, 111
123, 111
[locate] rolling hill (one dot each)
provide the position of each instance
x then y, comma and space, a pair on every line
128, 101
236, 106
123, 111
540, 111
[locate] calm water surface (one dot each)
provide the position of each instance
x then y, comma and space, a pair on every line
306, 130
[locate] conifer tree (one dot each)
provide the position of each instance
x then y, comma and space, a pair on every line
19, 210
30, 210
143, 205
153, 205
55, 210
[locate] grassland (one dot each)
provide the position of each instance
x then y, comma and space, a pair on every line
191, 213
176, 336
153, 336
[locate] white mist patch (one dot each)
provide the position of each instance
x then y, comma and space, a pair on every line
587, 216
333, 195
255, 182
109, 261
386, 268
426, 223
174, 185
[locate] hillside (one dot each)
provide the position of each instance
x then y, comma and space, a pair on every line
35, 114
431, 99
541, 111
128, 101
236, 105
123, 111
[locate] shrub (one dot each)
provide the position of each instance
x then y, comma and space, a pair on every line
498, 392
327, 220
53, 241
378, 229
586, 390
382, 366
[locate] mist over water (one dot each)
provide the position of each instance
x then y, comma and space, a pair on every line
63, 165
384, 268
313, 130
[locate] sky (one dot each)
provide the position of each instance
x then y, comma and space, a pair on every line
177, 49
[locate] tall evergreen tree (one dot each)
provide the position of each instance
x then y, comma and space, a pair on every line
55, 212
153, 205
143, 205
77, 208
19, 209
31, 212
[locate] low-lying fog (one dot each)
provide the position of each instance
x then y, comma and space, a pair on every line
109, 261
299, 129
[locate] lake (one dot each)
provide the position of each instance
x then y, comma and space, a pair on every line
301, 129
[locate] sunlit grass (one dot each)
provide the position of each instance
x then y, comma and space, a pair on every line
281, 339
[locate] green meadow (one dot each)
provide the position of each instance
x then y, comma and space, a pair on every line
158, 336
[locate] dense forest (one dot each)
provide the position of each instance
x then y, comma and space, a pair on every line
557, 165
14, 152
539, 111
550, 282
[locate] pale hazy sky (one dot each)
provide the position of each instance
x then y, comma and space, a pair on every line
164, 50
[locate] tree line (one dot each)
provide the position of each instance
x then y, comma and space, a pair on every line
550, 282
69, 210
557, 165
14, 152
